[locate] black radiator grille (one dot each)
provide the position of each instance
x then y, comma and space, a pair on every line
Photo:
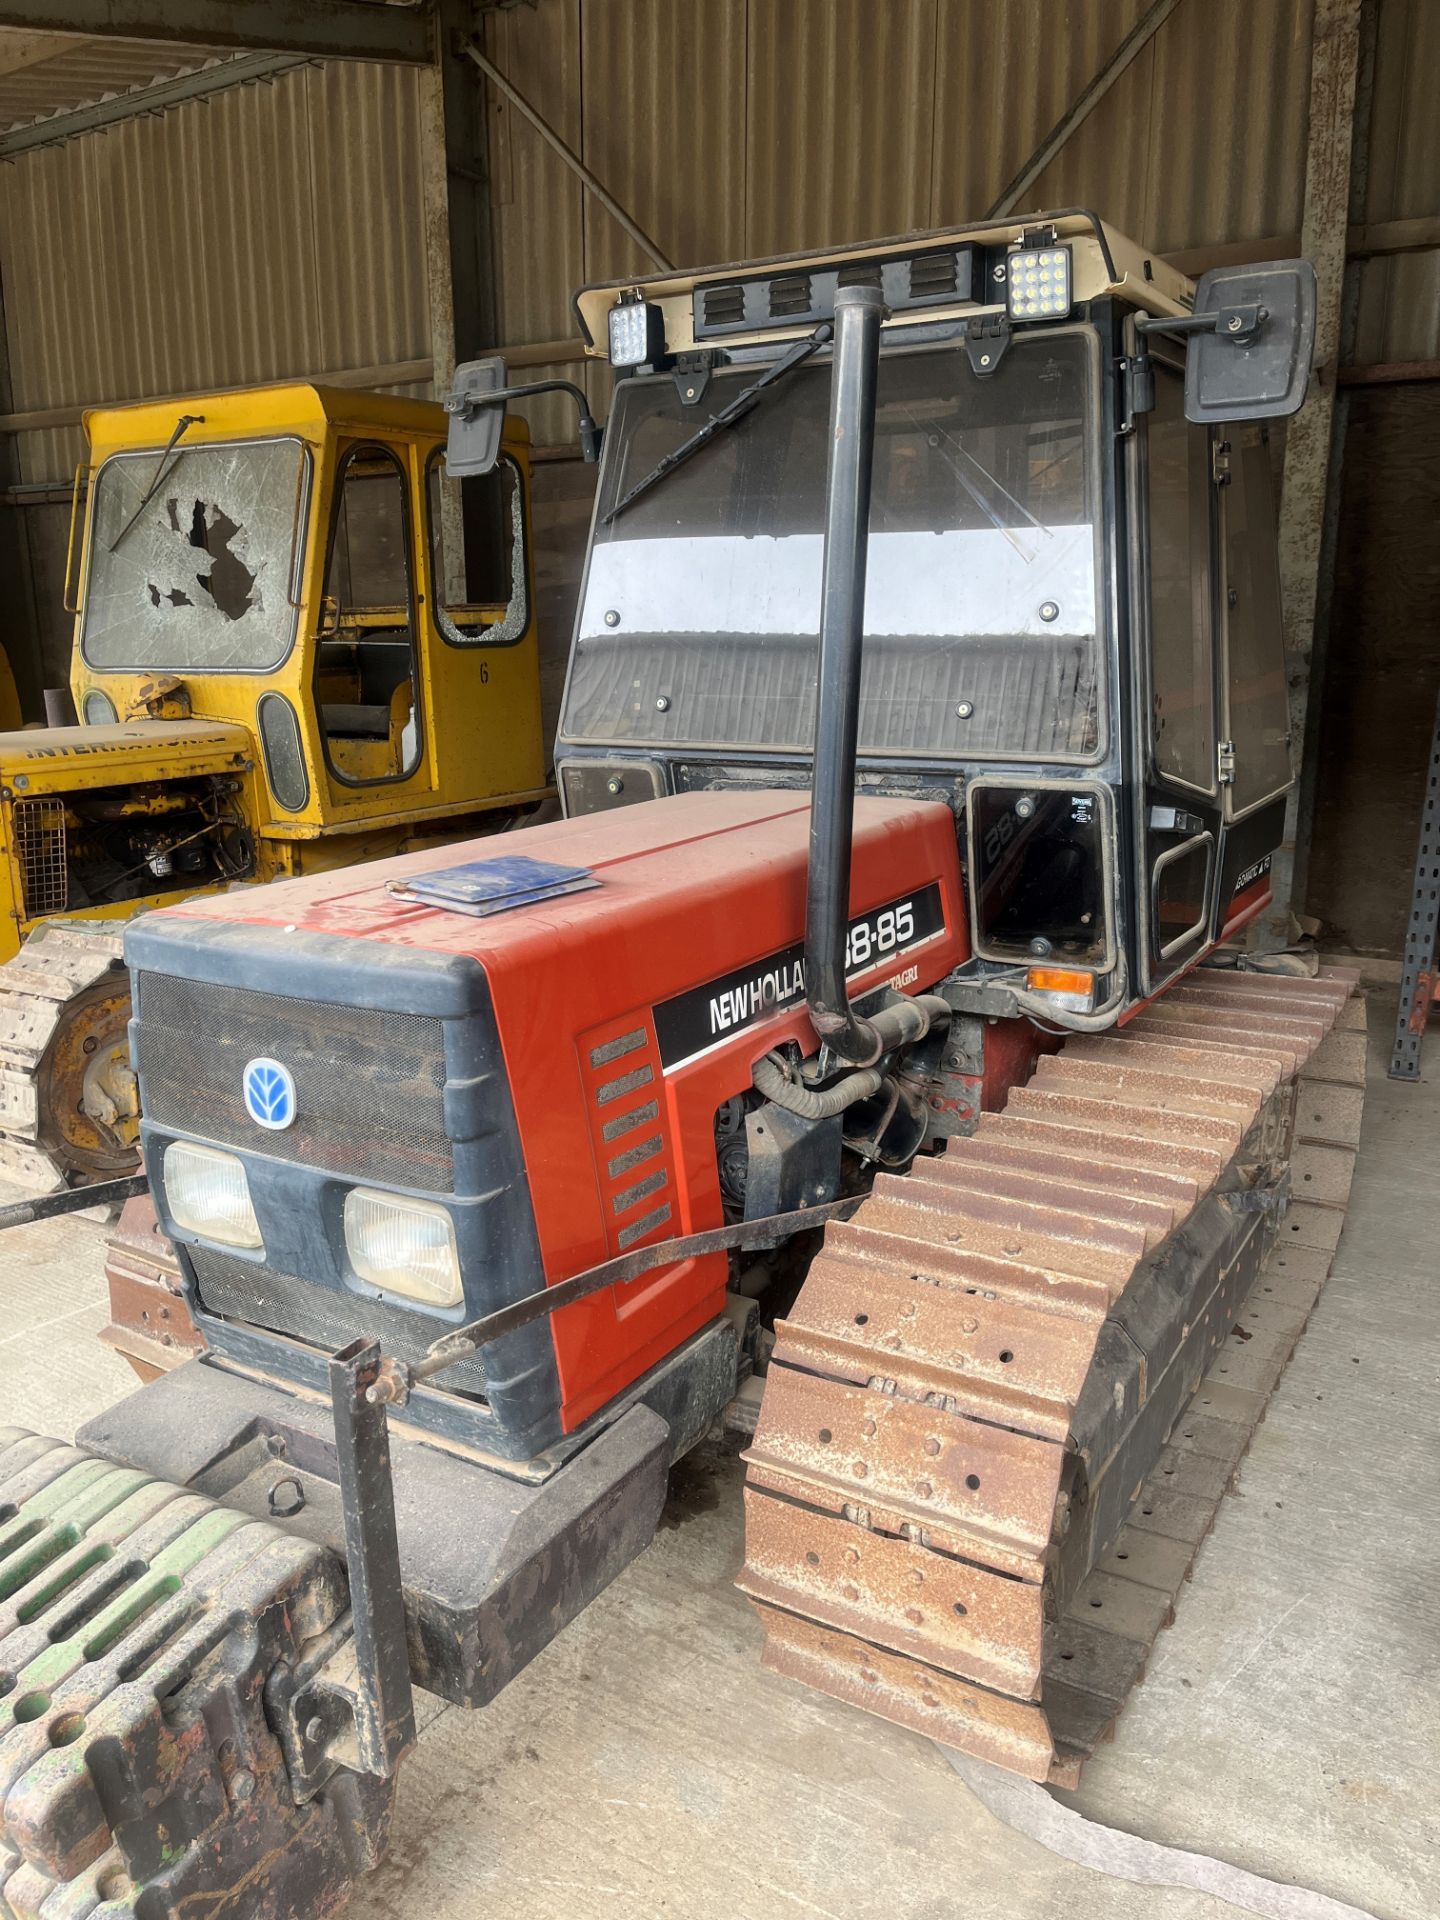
260, 1296
369, 1085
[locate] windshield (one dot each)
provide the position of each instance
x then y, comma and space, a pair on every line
700, 615
200, 577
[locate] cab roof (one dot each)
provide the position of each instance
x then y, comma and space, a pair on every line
305, 408
1103, 261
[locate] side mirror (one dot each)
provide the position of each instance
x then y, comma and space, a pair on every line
1252, 340
476, 420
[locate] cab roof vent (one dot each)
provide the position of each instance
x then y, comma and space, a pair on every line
790, 296
725, 305
932, 276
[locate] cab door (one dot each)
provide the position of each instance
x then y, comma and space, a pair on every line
1181, 827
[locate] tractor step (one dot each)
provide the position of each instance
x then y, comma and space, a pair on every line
149, 1643
1003, 1409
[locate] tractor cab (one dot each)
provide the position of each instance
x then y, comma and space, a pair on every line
295, 561
1071, 601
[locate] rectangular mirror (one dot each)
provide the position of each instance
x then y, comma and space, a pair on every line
1255, 363
473, 444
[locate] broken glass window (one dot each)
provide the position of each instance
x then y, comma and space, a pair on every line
485, 567
201, 577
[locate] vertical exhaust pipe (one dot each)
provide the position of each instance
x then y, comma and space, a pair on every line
858, 313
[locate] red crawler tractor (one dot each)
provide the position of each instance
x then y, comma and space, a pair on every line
931, 614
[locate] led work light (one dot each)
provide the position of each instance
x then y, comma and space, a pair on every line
1037, 284
637, 332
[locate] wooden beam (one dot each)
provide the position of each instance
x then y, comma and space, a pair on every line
1390, 373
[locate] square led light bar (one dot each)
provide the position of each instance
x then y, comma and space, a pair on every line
1037, 284
637, 333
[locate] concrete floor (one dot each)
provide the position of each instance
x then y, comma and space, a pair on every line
646, 1765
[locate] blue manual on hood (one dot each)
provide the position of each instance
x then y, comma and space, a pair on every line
485, 887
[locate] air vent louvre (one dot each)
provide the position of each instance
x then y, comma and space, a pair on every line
790, 294
932, 275
724, 306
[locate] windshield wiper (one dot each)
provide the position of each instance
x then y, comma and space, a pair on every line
162, 473
727, 416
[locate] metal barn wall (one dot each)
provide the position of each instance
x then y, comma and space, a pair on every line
269, 231
743, 127
1398, 296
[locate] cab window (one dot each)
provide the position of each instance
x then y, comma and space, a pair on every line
478, 556
1178, 492
365, 677
1258, 704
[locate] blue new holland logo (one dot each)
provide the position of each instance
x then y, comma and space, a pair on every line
269, 1090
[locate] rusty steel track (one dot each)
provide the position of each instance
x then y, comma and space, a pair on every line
1016, 1384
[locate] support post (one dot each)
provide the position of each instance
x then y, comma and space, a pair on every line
1311, 468
384, 1701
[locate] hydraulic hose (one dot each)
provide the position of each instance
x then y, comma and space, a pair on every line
813, 1103
898, 1025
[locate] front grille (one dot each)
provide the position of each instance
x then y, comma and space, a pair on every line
40, 849
259, 1296
369, 1085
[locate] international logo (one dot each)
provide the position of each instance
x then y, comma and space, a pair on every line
269, 1090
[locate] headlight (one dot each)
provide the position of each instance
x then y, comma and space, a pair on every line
637, 333
403, 1246
210, 1196
1037, 285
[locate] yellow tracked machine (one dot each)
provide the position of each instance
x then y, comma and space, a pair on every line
853, 1049
298, 645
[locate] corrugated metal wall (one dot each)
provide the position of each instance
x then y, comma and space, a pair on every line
269, 231
745, 127
1399, 296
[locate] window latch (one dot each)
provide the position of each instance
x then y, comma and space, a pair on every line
1225, 763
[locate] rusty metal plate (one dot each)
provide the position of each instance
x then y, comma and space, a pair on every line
1170, 1190
1008, 1733
1150, 1119
1034, 1205
1253, 1070
975, 1624
919, 1217
1195, 1029
1139, 1086
990, 1489
1154, 1218
1001, 1359
1002, 1279
1201, 1164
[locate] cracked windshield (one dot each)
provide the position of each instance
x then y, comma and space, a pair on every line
192, 558
701, 609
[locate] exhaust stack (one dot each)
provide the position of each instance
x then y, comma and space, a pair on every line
858, 313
